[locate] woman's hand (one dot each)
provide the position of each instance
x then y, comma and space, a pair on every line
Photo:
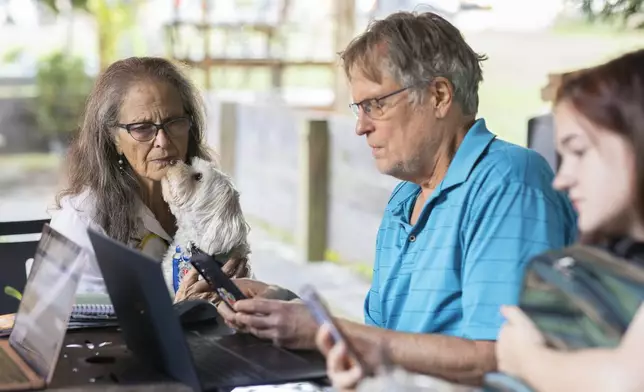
343, 371
518, 339
236, 268
193, 288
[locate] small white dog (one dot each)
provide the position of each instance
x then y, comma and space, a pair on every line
206, 205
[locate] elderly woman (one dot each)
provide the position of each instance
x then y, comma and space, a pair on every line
142, 114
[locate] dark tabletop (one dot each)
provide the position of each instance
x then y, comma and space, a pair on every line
98, 358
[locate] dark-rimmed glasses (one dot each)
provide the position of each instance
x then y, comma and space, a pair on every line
147, 131
373, 107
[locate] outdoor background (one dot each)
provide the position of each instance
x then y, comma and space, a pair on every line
270, 66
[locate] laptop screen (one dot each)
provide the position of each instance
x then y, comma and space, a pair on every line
43, 314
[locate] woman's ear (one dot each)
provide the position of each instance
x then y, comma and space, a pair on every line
117, 143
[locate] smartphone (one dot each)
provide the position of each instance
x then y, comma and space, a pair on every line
211, 271
322, 315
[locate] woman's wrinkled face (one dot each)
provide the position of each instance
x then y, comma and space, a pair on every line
597, 170
158, 103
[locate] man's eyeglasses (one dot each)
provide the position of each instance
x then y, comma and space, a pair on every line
374, 107
146, 131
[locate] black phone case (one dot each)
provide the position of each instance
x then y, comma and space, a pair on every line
218, 281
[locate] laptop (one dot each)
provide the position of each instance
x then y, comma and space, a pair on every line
579, 297
153, 332
28, 358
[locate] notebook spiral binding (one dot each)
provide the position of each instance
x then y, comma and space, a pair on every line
92, 311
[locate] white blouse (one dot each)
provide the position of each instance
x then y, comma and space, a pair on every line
77, 214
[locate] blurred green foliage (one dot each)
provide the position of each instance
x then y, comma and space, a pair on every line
62, 87
614, 10
113, 19
12, 55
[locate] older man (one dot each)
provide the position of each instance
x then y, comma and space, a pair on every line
469, 212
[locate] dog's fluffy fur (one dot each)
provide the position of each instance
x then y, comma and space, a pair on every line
206, 205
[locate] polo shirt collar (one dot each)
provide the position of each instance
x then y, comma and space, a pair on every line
469, 152
472, 147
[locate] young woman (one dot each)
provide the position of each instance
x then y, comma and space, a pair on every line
599, 119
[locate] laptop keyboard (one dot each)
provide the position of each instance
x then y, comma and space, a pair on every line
10, 372
216, 366
243, 360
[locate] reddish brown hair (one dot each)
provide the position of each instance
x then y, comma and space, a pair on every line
611, 96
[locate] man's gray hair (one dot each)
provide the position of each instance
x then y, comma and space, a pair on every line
414, 48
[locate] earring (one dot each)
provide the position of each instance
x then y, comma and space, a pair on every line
121, 169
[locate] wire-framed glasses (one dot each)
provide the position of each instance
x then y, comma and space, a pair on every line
374, 107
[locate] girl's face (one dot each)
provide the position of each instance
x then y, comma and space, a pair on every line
597, 170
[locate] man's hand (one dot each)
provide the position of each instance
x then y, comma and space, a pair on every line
252, 289
286, 323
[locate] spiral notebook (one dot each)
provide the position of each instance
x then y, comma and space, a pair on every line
93, 311
93, 307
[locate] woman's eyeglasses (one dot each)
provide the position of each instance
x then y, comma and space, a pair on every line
146, 131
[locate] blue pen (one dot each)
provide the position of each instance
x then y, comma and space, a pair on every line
176, 260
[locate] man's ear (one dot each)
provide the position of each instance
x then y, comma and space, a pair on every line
442, 93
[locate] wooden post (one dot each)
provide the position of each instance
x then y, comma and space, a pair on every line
206, 43
313, 192
227, 146
345, 25
549, 91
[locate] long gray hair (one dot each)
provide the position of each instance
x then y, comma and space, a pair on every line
92, 162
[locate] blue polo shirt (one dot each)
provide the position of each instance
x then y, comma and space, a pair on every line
464, 258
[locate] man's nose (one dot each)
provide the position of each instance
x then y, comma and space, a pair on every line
364, 124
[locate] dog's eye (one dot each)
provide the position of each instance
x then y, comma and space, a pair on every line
197, 176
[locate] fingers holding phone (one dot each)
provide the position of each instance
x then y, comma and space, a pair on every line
344, 371
236, 268
193, 288
250, 287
